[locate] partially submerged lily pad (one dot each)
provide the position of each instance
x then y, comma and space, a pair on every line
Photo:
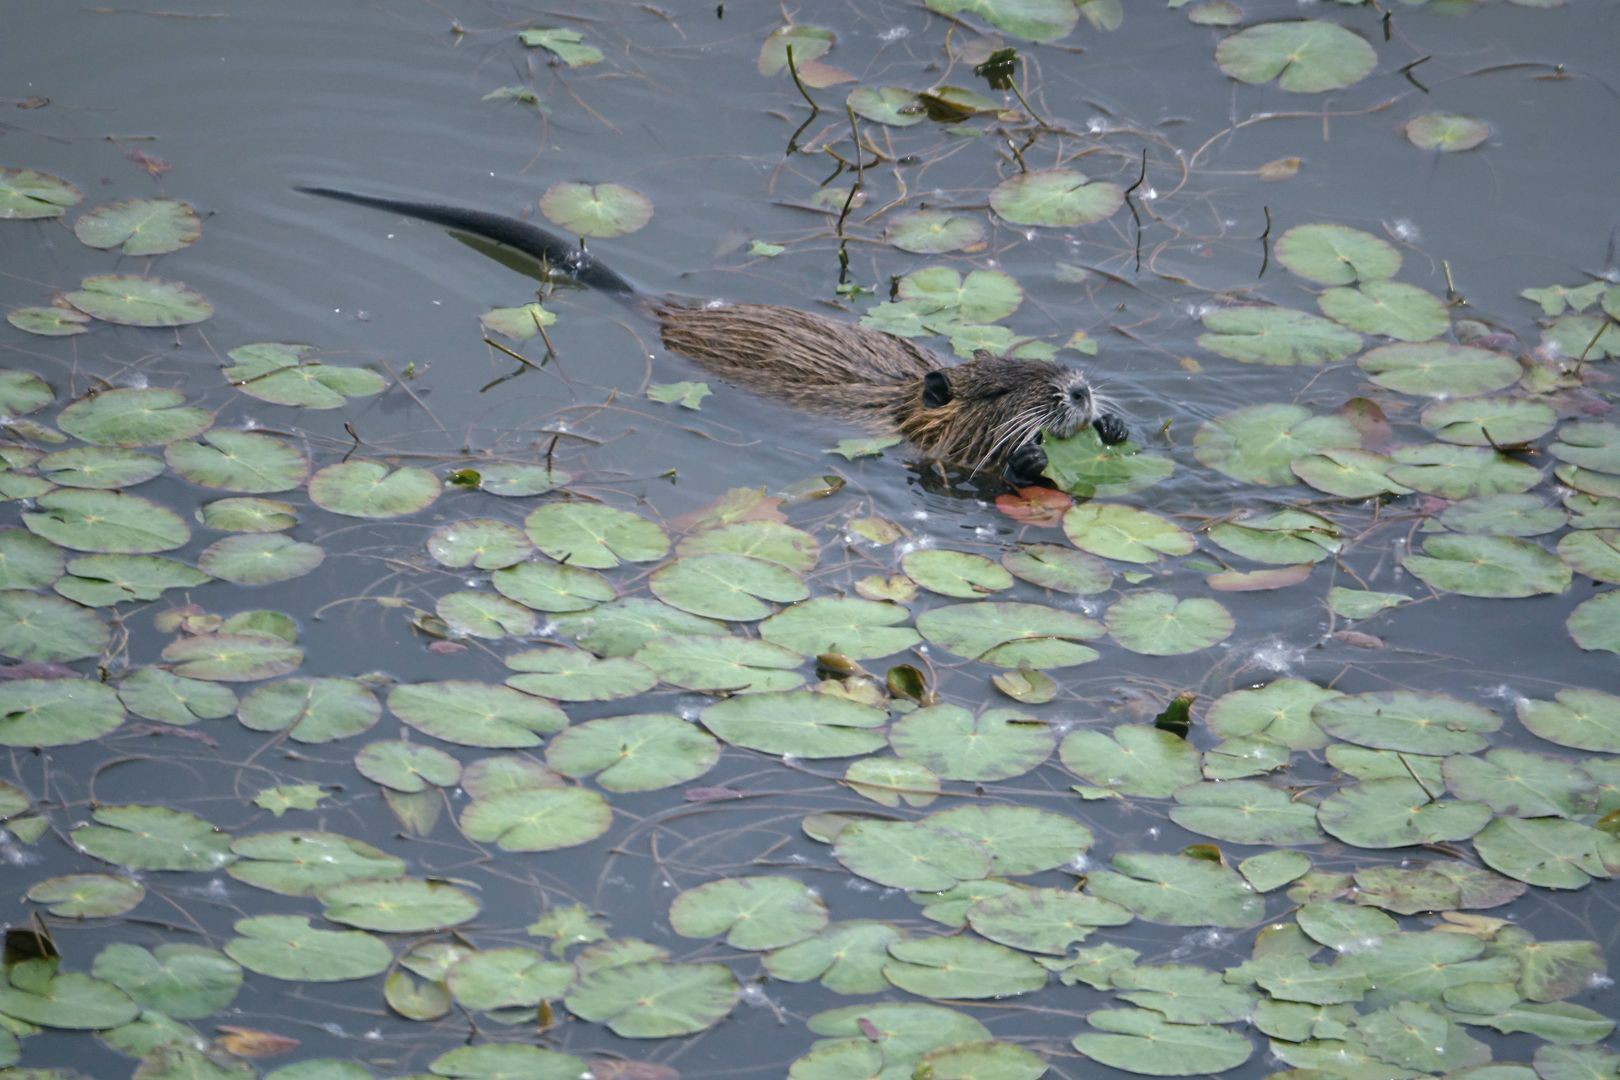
1446, 132
600, 210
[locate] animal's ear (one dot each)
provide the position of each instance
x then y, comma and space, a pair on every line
936, 390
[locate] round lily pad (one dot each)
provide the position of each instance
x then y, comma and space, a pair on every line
130, 418
370, 489
594, 536
282, 374
548, 586
23, 392
48, 629
1440, 369
1581, 718
1446, 132
1158, 623
654, 1000
859, 629
1507, 515
723, 586
484, 543
1336, 254
185, 981
1484, 421
600, 210
29, 193
105, 580
716, 663
634, 753
1389, 309
1254, 334
1595, 623
576, 675
153, 838
1258, 443
932, 232
1408, 721
1010, 634
1021, 840
56, 712
621, 627
139, 226
769, 540
979, 297
28, 561
87, 896
405, 766
961, 967
399, 905
911, 855
809, 43
99, 467
1059, 197
49, 321
1062, 569
311, 711
1132, 759
537, 819
1125, 533
498, 1061
1306, 56
897, 107
1246, 812
1460, 472
233, 657
1549, 852
299, 863
955, 573
259, 560
1178, 890
514, 480
137, 301
242, 461
800, 723
475, 713
106, 521
955, 744
248, 515
766, 912
484, 615
1490, 566
67, 1000
1035, 20
287, 947
510, 978
1042, 920
1280, 711
1142, 1041
1282, 537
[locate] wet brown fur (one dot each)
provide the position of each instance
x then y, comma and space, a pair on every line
876, 380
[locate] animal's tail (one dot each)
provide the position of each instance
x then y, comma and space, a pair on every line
521, 236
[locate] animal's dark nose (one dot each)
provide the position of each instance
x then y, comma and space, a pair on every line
1079, 395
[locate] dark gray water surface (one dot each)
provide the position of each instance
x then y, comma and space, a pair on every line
243, 101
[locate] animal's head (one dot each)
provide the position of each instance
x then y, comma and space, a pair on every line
1023, 395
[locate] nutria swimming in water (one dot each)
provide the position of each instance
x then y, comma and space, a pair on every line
989, 411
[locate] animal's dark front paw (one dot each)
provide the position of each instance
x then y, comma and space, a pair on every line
1025, 465
1111, 429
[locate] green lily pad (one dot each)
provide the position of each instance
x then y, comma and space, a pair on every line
1125, 533
153, 838
1178, 890
1035, 20
1283, 537
1043, 920
28, 193
954, 744
297, 863
369, 489
901, 1031
1011, 634
847, 957
809, 43
567, 45
1349, 474
803, 724
259, 560
1490, 566
1521, 783
769, 540
1083, 465
23, 392
49, 321
1407, 721
1434, 886
929, 232
1257, 444
136, 301
980, 297
56, 712
48, 629
1589, 445
955, 573
961, 967
69, 1000
1274, 869
1184, 994
1446, 132
576, 675
476, 713
654, 1000
187, 982
248, 515
513, 480
1593, 552
139, 226
1132, 759
1021, 840
688, 395
398, 906
594, 536
623, 626
405, 766
242, 461
537, 819
1143, 1041
28, 561
1460, 472
87, 896
1245, 812
1440, 369
723, 586
484, 543
1057, 197
131, 418
635, 753
287, 947
1157, 623
900, 107
1336, 254
281, 375
1388, 309
233, 657
98, 467
1505, 515
508, 978
1306, 56
546, 586
1398, 812
483, 615
311, 711
754, 913
506, 1061
1583, 719
105, 580
1489, 420
1549, 852
1277, 336
106, 521
1062, 569
911, 855
859, 629
1594, 624
721, 663
1362, 604
600, 210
